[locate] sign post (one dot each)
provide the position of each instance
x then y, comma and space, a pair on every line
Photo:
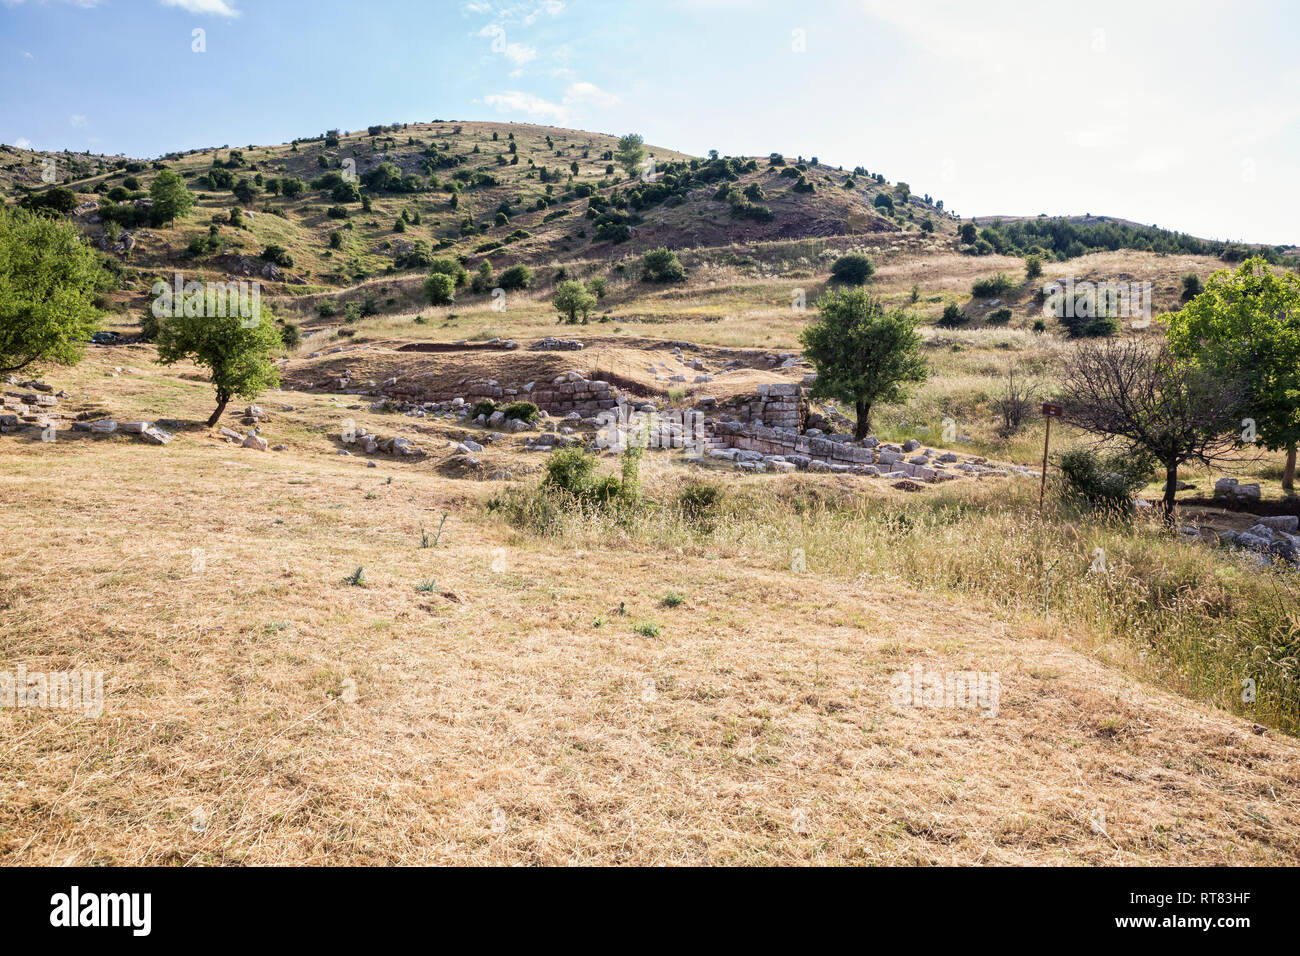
1050, 411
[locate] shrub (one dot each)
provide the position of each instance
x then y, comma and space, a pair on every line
1191, 286
1000, 284
1033, 266
1103, 483
521, 411
953, 316
278, 255
698, 499
662, 265
516, 277
854, 269
290, 335
883, 203
1000, 316
484, 407
450, 268
569, 470
598, 286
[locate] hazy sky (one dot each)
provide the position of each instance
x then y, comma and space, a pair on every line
1186, 114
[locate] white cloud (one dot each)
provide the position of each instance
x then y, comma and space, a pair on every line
590, 93
23, 142
216, 8
78, 120
517, 101
520, 53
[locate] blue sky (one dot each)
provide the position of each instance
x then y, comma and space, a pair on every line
1182, 114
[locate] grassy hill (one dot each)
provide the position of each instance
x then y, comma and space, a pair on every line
461, 176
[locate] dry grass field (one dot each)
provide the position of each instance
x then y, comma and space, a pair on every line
548, 699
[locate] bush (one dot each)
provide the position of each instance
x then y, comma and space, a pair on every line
484, 407
999, 285
953, 316
1192, 286
516, 277
451, 269
1033, 266
854, 269
439, 289
278, 255
290, 335
662, 265
1102, 483
521, 411
698, 499
1000, 316
570, 470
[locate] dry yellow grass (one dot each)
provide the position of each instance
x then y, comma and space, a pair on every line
514, 715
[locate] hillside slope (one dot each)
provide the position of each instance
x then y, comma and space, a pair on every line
543, 180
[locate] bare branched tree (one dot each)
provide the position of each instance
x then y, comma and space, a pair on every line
1017, 400
1151, 401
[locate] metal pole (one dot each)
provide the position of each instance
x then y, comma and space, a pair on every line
1042, 486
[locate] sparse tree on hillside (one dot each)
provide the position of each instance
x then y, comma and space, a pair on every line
863, 354
48, 281
1246, 324
630, 153
1154, 402
235, 348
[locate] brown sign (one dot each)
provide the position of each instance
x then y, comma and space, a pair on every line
1052, 411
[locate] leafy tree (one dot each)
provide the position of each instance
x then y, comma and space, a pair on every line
48, 281
853, 269
630, 153
237, 349
863, 354
1246, 324
572, 299
1033, 266
440, 288
171, 200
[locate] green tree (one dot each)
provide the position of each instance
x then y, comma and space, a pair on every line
171, 200
1246, 325
237, 349
48, 281
662, 265
439, 289
450, 268
863, 354
572, 299
630, 153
